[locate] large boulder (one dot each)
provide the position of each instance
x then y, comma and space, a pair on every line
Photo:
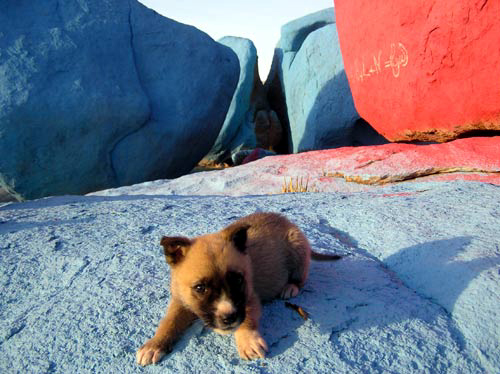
319, 101
423, 70
96, 94
416, 291
237, 131
307, 85
249, 123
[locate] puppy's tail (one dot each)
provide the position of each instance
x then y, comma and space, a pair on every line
324, 257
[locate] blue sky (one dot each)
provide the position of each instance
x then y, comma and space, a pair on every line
258, 20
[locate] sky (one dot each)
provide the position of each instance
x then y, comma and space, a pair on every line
258, 20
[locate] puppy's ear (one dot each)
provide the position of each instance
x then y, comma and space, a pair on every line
175, 248
238, 236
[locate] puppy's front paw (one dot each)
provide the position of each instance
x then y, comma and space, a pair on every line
152, 351
250, 344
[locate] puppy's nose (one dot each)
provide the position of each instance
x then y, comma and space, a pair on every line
229, 319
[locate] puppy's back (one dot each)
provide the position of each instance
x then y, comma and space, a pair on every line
279, 252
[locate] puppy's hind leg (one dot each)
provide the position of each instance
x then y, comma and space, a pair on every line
299, 257
290, 290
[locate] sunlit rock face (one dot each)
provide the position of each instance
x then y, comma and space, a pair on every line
307, 85
423, 71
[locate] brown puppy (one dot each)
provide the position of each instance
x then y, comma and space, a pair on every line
222, 278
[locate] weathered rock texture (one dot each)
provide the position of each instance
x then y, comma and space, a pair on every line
237, 131
96, 94
423, 70
307, 85
348, 169
84, 282
248, 123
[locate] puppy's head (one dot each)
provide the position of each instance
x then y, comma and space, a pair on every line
211, 275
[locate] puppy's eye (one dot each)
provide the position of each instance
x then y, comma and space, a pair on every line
236, 279
200, 288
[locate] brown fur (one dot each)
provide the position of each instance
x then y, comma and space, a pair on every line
270, 253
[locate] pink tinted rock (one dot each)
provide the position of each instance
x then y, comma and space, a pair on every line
256, 154
350, 169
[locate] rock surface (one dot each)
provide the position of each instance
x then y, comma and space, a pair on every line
84, 282
349, 169
189, 93
238, 131
308, 87
268, 129
319, 102
426, 70
99, 94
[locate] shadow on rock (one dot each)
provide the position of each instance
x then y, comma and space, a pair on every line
331, 118
440, 269
361, 295
333, 122
81, 201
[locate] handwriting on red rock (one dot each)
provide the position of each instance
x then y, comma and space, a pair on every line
396, 60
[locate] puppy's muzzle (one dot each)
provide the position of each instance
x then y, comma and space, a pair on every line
229, 319
227, 323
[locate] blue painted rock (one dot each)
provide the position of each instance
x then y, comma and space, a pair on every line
307, 85
238, 131
100, 94
319, 101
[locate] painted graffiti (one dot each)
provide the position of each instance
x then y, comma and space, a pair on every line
398, 58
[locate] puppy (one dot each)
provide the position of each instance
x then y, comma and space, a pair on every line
223, 277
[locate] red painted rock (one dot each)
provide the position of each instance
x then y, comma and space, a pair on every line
423, 70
